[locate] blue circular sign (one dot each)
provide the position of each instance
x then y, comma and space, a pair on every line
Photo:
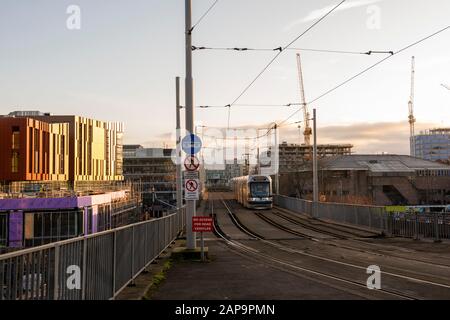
191, 144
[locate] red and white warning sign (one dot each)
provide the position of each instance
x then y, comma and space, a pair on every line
202, 224
191, 163
191, 185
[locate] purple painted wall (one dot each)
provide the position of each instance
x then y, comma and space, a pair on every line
15, 229
58, 203
44, 203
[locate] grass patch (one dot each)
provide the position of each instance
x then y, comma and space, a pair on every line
158, 279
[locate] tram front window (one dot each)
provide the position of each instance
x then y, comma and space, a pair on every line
260, 189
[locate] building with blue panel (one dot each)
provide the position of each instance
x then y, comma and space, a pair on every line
433, 145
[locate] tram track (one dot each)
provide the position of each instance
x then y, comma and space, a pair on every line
391, 292
295, 220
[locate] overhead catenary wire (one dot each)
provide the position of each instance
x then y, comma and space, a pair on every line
203, 16
278, 54
368, 69
245, 49
251, 105
351, 78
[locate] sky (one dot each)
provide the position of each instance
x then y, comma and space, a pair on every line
122, 63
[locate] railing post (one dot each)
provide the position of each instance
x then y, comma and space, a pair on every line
55, 274
132, 255
384, 222
114, 263
416, 226
84, 274
436, 228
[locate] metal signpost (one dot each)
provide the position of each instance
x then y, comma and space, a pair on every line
202, 224
189, 101
191, 145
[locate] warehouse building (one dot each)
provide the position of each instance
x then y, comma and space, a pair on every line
373, 179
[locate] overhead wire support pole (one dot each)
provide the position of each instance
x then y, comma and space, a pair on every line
189, 96
315, 168
277, 166
179, 180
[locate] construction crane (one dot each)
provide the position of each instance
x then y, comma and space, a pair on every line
411, 119
308, 132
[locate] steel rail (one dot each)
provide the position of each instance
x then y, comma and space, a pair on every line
365, 243
237, 244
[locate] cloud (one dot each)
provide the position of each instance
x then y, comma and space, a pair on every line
390, 137
318, 13
367, 138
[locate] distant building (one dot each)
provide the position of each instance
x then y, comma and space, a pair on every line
216, 179
33, 150
28, 222
42, 147
373, 179
60, 177
129, 150
95, 148
155, 170
433, 145
233, 170
293, 156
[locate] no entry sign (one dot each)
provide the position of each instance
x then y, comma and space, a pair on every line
202, 224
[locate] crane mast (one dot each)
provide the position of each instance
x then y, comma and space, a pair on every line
411, 118
308, 131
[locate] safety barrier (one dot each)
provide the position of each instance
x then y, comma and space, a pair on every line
412, 225
419, 225
94, 267
371, 217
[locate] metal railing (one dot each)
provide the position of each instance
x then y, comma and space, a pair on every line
371, 217
413, 225
61, 189
419, 225
94, 267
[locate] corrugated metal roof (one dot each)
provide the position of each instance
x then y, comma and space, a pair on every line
380, 163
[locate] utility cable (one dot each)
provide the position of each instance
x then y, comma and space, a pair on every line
368, 69
278, 54
244, 49
203, 16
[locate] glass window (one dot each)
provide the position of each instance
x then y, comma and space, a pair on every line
56, 223
3, 228
15, 162
15, 143
260, 189
51, 226
64, 233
